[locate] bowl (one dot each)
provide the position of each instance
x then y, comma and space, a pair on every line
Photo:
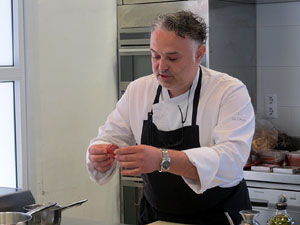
271, 156
293, 158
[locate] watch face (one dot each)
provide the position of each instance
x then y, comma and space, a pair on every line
166, 165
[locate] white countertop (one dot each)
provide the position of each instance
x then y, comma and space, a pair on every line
164, 223
74, 221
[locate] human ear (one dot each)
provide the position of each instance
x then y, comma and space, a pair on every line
201, 49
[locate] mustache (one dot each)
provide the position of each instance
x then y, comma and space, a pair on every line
164, 72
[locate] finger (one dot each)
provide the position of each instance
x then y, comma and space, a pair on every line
128, 158
103, 164
97, 149
103, 169
131, 172
129, 165
127, 150
107, 162
99, 158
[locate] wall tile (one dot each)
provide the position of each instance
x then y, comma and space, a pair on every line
260, 100
259, 14
232, 46
226, 13
295, 118
280, 14
280, 46
284, 122
284, 81
259, 45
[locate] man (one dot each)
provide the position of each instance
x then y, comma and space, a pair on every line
187, 129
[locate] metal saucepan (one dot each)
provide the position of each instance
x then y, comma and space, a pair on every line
51, 216
19, 218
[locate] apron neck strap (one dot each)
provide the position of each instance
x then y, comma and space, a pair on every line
197, 98
158, 91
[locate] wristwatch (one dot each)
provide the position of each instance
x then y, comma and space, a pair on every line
165, 161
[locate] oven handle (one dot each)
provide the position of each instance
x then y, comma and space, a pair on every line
259, 202
135, 50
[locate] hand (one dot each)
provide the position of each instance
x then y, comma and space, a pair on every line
101, 156
138, 159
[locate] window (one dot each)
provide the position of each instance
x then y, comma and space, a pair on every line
6, 53
12, 100
7, 136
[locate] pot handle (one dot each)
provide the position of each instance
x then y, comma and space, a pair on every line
41, 208
229, 218
72, 204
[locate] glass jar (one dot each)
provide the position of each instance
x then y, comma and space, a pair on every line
249, 217
281, 217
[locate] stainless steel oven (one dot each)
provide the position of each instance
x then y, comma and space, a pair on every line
266, 189
134, 29
134, 55
131, 194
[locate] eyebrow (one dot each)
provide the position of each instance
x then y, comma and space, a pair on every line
168, 53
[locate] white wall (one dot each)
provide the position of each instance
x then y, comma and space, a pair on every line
71, 86
278, 60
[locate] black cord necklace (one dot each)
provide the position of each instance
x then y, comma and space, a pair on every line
187, 108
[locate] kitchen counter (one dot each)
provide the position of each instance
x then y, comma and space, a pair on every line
74, 221
12, 199
6, 191
165, 223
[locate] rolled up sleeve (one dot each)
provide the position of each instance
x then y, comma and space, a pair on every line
221, 161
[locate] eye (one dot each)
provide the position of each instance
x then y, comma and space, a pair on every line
155, 57
173, 59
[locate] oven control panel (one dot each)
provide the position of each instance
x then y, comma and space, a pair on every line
264, 200
263, 197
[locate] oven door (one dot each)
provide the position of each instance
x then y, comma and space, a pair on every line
134, 62
131, 194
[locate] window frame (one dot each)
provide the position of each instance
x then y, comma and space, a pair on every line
16, 73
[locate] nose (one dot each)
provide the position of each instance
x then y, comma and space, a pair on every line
163, 65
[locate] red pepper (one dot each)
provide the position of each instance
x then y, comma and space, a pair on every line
110, 150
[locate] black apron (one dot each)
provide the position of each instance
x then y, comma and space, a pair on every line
167, 197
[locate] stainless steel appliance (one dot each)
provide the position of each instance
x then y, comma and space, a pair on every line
266, 189
134, 28
131, 194
134, 55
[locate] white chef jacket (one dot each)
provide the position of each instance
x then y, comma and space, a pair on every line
225, 118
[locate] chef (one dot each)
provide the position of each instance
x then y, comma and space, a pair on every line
185, 128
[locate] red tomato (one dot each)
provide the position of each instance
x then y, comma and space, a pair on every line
110, 150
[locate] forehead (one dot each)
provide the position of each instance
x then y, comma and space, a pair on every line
161, 34
168, 41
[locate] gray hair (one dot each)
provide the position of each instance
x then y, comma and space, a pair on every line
183, 23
